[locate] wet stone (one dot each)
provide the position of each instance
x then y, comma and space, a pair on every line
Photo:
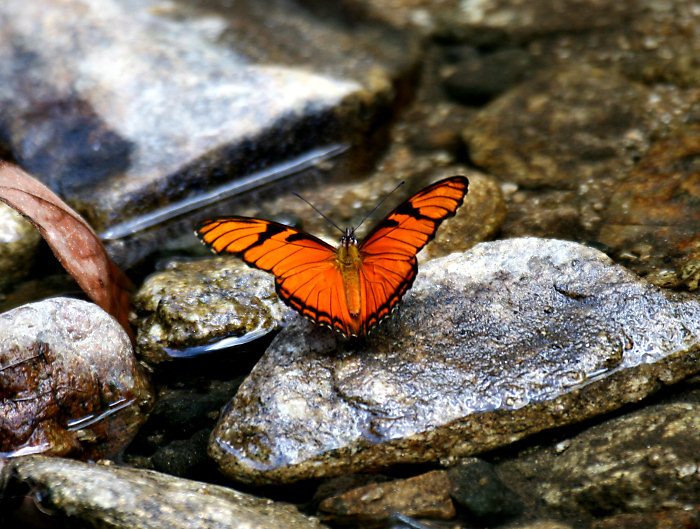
193, 307
131, 108
107, 495
489, 23
19, 242
70, 384
478, 79
423, 496
653, 219
491, 345
477, 487
633, 463
568, 152
662, 519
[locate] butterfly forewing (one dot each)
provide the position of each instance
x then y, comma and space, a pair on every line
389, 263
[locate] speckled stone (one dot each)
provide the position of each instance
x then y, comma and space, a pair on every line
69, 384
491, 345
424, 496
190, 305
127, 107
107, 495
19, 241
634, 463
652, 223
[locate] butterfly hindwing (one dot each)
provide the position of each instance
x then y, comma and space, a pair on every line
306, 276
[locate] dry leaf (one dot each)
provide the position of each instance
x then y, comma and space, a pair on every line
72, 240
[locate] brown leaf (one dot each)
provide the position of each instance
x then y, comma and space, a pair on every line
72, 240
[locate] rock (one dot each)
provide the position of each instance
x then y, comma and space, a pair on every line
70, 383
477, 487
175, 437
569, 152
652, 220
514, 21
19, 242
629, 464
194, 307
106, 495
491, 345
512, 137
665, 519
130, 111
479, 79
423, 496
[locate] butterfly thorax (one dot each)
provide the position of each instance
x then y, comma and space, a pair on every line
349, 262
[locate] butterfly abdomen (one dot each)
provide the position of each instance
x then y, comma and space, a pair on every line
349, 263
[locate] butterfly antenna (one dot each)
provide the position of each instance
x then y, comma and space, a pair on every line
317, 211
379, 204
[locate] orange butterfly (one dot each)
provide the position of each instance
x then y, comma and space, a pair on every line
350, 288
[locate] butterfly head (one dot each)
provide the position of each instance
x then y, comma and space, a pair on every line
349, 238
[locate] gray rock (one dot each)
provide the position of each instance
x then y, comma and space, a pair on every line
477, 488
129, 109
70, 382
514, 21
508, 339
19, 241
635, 463
193, 307
107, 495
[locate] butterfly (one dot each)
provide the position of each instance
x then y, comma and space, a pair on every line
350, 288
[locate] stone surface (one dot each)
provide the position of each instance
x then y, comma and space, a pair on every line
601, 158
490, 22
653, 219
106, 495
491, 345
212, 302
132, 108
664, 519
19, 242
423, 496
70, 384
630, 464
477, 488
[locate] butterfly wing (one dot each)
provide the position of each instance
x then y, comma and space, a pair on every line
388, 253
307, 277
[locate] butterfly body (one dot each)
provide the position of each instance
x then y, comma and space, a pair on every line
350, 288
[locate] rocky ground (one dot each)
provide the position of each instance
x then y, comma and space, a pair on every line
542, 371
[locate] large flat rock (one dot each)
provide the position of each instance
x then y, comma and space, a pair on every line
490, 345
131, 110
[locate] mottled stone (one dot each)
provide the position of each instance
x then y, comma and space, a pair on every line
19, 242
491, 345
480, 78
600, 121
633, 463
131, 108
213, 302
664, 519
490, 22
70, 383
477, 488
657, 42
653, 220
107, 495
175, 437
423, 496
567, 138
